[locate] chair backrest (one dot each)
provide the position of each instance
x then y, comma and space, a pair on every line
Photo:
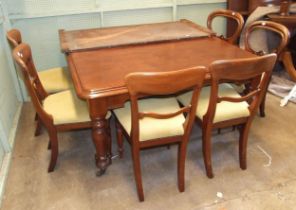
23, 57
237, 17
270, 26
14, 37
237, 70
161, 84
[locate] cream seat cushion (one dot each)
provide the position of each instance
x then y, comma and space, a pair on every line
65, 107
151, 128
224, 110
55, 80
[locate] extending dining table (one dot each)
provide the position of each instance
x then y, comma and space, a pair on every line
99, 59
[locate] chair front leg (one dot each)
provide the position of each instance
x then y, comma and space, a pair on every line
262, 104
49, 145
54, 148
182, 148
207, 150
137, 172
243, 140
262, 107
38, 126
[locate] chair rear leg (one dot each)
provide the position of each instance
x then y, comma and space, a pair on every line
262, 107
54, 149
137, 172
49, 145
207, 150
243, 140
119, 140
38, 126
181, 166
262, 104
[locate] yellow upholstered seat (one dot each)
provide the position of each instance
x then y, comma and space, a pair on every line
151, 128
65, 107
55, 80
225, 110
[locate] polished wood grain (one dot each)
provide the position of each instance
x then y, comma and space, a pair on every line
159, 83
235, 70
98, 75
229, 14
94, 71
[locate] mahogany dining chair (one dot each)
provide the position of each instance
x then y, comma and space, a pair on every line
158, 121
220, 105
229, 14
61, 111
277, 29
50, 81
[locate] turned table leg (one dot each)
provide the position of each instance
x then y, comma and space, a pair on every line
100, 134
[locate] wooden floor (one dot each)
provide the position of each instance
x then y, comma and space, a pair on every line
268, 183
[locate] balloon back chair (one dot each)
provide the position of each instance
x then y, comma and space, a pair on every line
268, 26
231, 16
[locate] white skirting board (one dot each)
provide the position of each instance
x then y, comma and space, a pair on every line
7, 157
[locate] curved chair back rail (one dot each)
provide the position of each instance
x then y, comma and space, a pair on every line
158, 121
274, 27
164, 83
14, 37
57, 112
249, 70
237, 17
23, 57
277, 28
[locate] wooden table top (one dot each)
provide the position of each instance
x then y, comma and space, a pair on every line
101, 72
82, 40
